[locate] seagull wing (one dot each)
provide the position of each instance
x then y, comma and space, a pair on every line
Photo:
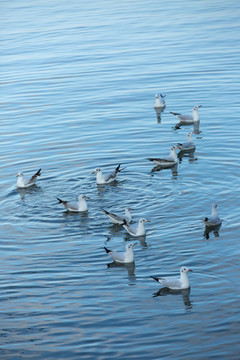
118, 256
171, 283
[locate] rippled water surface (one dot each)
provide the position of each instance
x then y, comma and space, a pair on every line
78, 86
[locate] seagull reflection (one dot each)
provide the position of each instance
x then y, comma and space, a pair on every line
141, 239
213, 229
129, 266
25, 191
159, 110
173, 169
186, 153
185, 295
195, 124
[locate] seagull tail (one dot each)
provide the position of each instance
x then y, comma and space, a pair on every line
61, 201
174, 113
118, 168
38, 173
107, 250
105, 211
155, 278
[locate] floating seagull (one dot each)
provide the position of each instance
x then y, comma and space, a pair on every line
174, 283
188, 119
189, 145
159, 101
122, 257
168, 161
214, 219
21, 183
106, 179
136, 231
76, 206
118, 219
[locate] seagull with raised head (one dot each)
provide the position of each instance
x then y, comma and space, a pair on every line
122, 257
76, 206
214, 219
22, 183
107, 178
188, 119
139, 230
168, 161
159, 101
189, 144
176, 283
119, 219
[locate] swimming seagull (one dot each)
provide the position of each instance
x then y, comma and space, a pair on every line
22, 183
188, 119
136, 231
122, 257
76, 206
118, 219
159, 101
189, 145
214, 219
174, 283
108, 178
168, 161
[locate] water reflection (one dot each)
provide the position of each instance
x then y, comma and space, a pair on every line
213, 229
141, 239
25, 191
130, 267
196, 125
159, 110
185, 295
173, 169
186, 153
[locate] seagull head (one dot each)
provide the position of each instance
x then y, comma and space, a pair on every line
129, 246
20, 174
184, 269
214, 206
142, 221
83, 197
156, 96
96, 171
196, 107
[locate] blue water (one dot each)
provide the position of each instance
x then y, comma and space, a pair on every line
78, 86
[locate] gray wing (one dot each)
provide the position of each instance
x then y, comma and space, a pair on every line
110, 176
116, 217
185, 117
162, 160
117, 256
34, 177
71, 206
187, 145
130, 229
171, 283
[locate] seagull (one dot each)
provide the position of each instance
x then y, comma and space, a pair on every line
21, 183
122, 257
189, 145
136, 231
174, 283
108, 178
214, 219
118, 219
76, 206
168, 161
159, 101
188, 119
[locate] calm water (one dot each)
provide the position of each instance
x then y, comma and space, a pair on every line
78, 86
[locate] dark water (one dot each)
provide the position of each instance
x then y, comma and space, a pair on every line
78, 86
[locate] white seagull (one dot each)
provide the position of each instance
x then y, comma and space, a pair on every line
76, 206
108, 178
189, 145
159, 101
175, 283
167, 161
122, 257
188, 119
214, 219
22, 183
119, 219
136, 231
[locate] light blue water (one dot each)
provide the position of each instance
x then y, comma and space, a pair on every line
78, 86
